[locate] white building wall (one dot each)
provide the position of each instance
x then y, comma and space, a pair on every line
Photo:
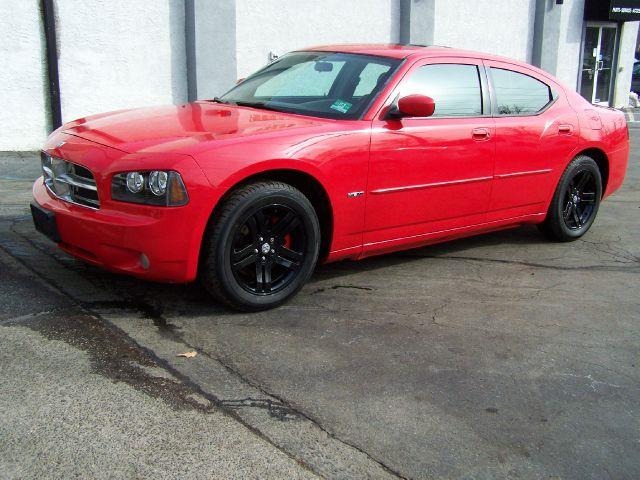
569, 42
23, 112
501, 27
284, 25
626, 58
117, 54
215, 47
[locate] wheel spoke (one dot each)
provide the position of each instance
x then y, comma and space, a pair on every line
566, 213
576, 217
244, 253
263, 277
252, 225
262, 222
267, 277
245, 261
285, 224
289, 254
259, 277
286, 263
582, 182
588, 197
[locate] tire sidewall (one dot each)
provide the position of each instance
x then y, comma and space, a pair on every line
292, 199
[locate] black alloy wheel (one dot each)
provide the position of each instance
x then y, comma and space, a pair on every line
261, 247
268, 249
579, 200
575, 202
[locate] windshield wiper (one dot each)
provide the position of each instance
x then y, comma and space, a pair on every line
261, 105
217, 100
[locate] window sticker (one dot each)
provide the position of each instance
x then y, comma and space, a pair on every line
341, 106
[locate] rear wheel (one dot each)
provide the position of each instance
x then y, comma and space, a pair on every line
262, 246
575, 202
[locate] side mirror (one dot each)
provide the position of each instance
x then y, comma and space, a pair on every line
414, 106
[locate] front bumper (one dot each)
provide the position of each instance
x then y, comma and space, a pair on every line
152, 242
156, 243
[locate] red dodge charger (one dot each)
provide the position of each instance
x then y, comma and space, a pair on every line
328, 153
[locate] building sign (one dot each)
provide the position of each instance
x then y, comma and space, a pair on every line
624, 10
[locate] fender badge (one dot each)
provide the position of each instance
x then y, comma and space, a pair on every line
354, 194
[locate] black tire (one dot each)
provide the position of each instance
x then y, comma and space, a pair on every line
272, 226
575, 202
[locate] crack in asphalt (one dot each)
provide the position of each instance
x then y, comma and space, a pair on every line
602, 268
298, 411
336, 287
25, 318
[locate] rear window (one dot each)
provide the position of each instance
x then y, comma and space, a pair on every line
519, 94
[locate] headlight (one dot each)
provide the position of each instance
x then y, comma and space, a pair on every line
135, 182
157, 187
158, 182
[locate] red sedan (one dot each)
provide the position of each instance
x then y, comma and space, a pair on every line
329, 153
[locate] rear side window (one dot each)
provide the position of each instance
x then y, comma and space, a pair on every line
519, 94
455, 88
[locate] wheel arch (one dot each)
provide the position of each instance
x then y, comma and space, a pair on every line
309, 185
601, 159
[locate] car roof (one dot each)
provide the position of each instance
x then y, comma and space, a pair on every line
396, 50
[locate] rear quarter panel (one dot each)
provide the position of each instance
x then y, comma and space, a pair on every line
604, 129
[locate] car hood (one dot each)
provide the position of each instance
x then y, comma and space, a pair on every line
186, 128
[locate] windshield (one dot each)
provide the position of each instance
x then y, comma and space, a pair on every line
323, 84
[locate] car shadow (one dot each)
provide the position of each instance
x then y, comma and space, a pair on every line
100, 290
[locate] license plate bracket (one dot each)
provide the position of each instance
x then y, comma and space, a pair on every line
45, 222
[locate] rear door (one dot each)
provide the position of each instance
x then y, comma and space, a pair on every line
536, 132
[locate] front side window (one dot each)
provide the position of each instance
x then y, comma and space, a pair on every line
519, 94
324, 84
454, 87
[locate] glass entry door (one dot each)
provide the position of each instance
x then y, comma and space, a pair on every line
598, 56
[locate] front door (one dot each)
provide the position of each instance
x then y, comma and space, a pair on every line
431, 175
597, 63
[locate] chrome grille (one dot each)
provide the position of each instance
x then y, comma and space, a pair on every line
69, 182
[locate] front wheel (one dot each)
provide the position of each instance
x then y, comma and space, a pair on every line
575, 202
261, 247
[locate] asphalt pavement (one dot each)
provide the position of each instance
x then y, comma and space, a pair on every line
498, 356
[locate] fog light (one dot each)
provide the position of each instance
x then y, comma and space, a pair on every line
135, 182
158, 182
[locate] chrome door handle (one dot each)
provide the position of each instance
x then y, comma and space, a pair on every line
480, 134
565, 129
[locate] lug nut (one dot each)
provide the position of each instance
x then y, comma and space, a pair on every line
271, 240
255, 251
260, 239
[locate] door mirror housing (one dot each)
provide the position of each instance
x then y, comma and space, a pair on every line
413, 106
